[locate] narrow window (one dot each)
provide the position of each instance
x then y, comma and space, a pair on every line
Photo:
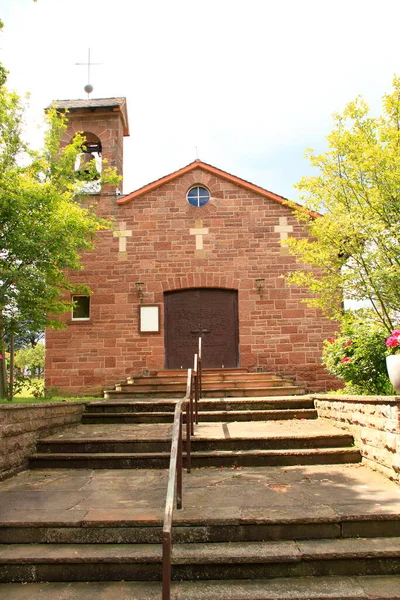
81, 308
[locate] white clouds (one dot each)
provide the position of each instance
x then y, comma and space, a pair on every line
248, 83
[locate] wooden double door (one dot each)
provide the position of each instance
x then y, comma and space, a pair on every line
211, 313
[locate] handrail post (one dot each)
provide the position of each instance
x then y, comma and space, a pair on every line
199, 377
196, 388
196, 391
189, 426
191, 402
179, 467
166, 565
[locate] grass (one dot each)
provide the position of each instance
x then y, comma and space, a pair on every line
25, 396
31, 400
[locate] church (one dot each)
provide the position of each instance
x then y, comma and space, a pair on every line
197, 252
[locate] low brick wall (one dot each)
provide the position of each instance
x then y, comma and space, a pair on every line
21, 425
374, 422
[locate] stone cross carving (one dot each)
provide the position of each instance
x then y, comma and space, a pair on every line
122, 234
198, 231
283, 229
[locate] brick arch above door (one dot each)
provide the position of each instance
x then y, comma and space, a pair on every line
201, 280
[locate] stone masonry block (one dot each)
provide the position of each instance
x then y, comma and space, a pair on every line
21, 427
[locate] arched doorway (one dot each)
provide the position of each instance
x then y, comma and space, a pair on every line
212, 313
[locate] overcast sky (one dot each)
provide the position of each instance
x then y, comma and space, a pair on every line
250, 83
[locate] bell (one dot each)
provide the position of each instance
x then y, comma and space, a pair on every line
88, 169
86, 158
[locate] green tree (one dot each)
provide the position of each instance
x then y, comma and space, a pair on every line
26, 337
43, 228
31, 359
3, 72
353, 250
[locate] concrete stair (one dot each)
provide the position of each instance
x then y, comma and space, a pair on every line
151, 451
211, 410
304, 588
288, 532
71, 445
203, 550
159, 460
347, 547
233, 560
227, 383
131, 416
133, 413
212, 405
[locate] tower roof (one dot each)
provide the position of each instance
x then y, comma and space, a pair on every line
93, 104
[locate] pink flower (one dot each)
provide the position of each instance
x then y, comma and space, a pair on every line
1, 357
331, 340
347, 344
392, 341
396, 332
346, 359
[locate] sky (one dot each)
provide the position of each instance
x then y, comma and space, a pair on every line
244, 85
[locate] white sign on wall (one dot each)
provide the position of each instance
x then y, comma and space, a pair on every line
149, 318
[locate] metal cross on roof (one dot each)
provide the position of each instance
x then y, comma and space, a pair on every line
88, 87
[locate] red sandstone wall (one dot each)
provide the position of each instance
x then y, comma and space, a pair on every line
277, 331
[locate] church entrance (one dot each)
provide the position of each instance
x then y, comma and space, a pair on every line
212, 313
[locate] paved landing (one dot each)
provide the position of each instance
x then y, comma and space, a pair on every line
229, 430
314, 493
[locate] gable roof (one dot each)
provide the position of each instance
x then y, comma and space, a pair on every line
198, 164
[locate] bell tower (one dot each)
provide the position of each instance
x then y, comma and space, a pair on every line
104, 123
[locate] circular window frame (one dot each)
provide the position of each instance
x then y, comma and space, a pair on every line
198, 187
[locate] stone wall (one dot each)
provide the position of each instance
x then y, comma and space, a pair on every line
21, 425
374, 422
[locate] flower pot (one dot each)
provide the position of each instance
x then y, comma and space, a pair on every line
393, 369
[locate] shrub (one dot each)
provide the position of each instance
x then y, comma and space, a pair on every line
36, 387
358, 355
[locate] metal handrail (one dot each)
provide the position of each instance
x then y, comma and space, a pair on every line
198, 381
193, 392
175, 479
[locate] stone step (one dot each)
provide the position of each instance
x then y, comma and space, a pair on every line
259, 403
204, 416
233, 372
198, 526
175, 386
207, 377
229, 458
91, 445
244, 560
304, 588
212, 392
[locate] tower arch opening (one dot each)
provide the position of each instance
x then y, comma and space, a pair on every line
88, 164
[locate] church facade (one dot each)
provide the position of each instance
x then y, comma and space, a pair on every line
197, 252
